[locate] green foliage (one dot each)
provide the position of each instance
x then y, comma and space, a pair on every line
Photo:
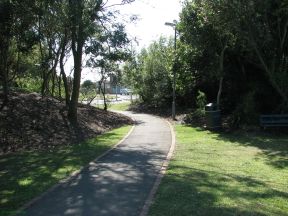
243, 42
149, 73
30, 84
88, 84
197, 117
17, 38
88, 91
201, 100
49, 31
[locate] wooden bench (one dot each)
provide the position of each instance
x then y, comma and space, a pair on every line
273, 121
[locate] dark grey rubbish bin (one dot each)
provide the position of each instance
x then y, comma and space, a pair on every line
213, 116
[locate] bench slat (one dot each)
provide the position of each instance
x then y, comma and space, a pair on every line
274, 120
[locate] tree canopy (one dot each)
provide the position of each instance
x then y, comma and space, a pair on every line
38, 37
233, 51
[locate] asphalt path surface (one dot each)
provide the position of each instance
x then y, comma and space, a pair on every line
119, 182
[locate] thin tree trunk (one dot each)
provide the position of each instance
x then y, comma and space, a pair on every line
102, 89
104, 96
65, 83
53, 83
219, 91
221, 70
269, 70
5, 88
103, 93
62, 70
4, 70
59, 81
91, 99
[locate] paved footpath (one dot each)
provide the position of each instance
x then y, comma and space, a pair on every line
118, 183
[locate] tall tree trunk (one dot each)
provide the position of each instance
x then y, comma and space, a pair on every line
44, 82
53, 83
104, 96
220, 91
221, 71
62, 69
59, 82
103, 90
77, 43
65, 83
5, 39
4, 71
5, 87
72, 112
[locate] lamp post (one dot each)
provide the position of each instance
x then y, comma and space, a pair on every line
173, 25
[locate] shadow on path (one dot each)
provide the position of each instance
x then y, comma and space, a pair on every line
118, 183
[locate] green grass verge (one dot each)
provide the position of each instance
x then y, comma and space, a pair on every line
120, 106
26, 175
220, 174
117, 107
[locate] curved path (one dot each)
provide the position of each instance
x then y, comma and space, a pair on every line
119, 183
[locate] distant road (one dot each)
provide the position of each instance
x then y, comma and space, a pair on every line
120, 99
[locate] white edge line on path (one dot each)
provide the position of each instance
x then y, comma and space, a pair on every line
151, 196
71, 176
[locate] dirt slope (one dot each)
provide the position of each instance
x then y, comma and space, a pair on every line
32, 122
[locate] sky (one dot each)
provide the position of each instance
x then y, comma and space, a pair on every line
152, 15
150, 25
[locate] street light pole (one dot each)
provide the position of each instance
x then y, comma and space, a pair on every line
174, 69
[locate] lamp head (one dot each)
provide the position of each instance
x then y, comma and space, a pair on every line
170, 24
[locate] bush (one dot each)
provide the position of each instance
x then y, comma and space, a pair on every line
197, 117
201, 100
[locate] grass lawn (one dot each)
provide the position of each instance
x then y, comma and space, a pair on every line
221, 174
91, 95
120, 106
115, 106
26, 175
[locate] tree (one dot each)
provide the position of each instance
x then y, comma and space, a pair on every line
17, 36
149, 73
106, 50
205, 26
243, 45
87, 18
88, 91
265, 29
52, 33
54, 28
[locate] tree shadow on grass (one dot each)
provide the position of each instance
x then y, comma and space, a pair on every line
188, 191
117, 184
26, 175
274, 148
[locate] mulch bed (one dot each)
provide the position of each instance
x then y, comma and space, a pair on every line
30, 122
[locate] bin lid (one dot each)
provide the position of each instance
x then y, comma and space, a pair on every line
211, 106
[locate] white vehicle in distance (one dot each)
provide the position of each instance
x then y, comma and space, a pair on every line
125, 91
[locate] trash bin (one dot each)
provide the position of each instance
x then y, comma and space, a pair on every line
212, 116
